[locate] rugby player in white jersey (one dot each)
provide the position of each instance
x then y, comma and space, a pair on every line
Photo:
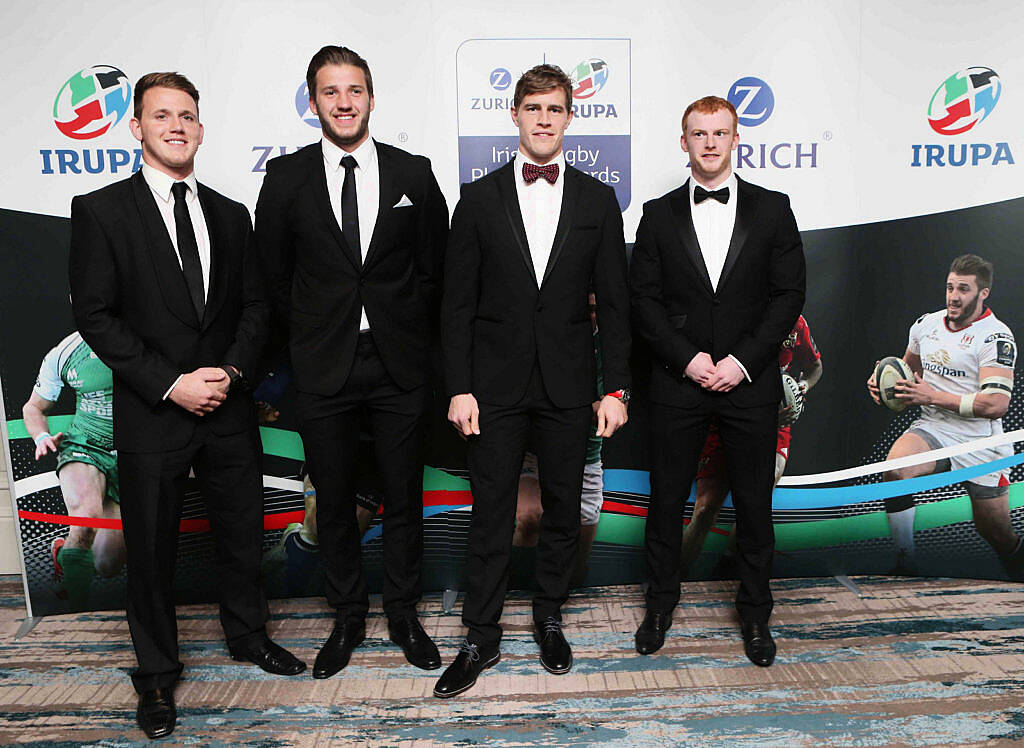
962, 358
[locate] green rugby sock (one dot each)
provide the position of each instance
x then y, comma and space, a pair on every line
79, 569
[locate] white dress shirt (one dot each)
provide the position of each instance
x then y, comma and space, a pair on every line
367, 175
541, 204
713, 223
160, 185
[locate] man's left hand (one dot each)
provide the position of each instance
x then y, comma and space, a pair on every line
611, 415
727, 375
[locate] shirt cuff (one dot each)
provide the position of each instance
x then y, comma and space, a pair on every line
169, 389
742, 367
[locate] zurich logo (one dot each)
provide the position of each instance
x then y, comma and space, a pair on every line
501, 79
302, 106
753, 99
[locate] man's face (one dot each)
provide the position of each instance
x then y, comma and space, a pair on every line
542, 119
710, 139
169, 130
342, 104
963, 299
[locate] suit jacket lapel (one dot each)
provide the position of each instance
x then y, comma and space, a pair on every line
161, 251
510, 203
318, 181
386, 184
746, 207
218, 265
680, 202
566, 216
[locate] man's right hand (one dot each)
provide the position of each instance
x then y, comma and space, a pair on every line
701, 368
49, 444
464, 414
198, 392
873, 386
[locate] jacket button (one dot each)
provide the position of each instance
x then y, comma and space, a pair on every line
716, 302
362, 282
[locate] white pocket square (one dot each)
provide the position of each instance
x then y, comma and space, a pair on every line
405, 202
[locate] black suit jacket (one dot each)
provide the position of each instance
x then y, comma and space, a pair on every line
318, 282
759, 296
496, 321
132, 306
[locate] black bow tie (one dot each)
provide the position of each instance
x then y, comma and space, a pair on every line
700, 195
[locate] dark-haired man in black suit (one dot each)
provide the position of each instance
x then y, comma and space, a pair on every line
717, 282
166, 290
529, 242
352, 234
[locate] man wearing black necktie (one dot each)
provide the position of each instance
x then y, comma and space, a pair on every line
166, 290
529, 242
717, 282
352, 234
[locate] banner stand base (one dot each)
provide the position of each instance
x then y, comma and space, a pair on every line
848, 583
26, 626
448, 600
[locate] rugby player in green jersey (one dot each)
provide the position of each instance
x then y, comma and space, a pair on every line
86, 464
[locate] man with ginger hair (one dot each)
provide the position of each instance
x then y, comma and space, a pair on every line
717, 283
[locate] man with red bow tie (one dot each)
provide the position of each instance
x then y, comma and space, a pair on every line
529, 242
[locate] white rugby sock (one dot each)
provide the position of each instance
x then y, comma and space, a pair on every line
901, 526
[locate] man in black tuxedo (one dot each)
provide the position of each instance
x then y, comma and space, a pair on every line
352, 234
166, 290
529, 242
717, 282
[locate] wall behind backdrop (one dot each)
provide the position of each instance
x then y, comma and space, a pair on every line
895, 131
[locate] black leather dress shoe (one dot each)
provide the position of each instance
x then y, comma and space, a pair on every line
419, 648
758, 643
555, 652
156, 714
269, 656
461, 675
651, 634
337, 650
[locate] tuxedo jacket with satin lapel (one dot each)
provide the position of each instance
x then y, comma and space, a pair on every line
759, 296
318, 282
498, 318
132, 306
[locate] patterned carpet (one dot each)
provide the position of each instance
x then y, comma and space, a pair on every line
910, 662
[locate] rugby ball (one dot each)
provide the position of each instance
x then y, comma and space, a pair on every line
889, 371
791, 398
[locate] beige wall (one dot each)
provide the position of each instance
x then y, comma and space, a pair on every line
9, 563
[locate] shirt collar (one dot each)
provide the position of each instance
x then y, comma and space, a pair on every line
730, 182
161, 183
522, 159
364, 155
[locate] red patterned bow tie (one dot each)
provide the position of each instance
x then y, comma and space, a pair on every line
532, 172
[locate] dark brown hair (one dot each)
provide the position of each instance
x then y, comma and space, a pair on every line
541, 79
974, 265
710, 105
163, 80
334, 55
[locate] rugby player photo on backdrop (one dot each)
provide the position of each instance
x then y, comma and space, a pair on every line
958, 367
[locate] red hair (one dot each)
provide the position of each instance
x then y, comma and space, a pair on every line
710, 105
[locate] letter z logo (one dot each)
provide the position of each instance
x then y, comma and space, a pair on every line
753, 99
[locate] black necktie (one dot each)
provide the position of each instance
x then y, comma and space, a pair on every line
700, 195
349, 207
188, 249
